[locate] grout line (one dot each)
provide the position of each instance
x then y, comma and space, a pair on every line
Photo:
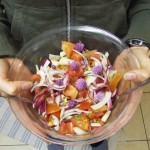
146, 92
132, 141
15, 145
144, 126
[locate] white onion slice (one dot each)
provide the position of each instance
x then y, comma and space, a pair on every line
76, 110
79, 131
69, 114
97, 124
106, 115
97, 62
57, 99
56, 122
62, 111
106, 98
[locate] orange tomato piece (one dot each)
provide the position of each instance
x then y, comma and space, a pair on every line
70, 91
52, 108
57, 114
75, 56
36, 77
91, 53
66, 128
67, 47
81, 121
84, 105
114, 81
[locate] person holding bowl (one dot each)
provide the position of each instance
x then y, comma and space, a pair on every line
20, 21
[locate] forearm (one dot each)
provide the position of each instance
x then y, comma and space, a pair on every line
6, 45
139, 21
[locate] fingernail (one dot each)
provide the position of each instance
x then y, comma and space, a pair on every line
130, 76
26, 85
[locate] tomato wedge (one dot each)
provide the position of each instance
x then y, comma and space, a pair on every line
91, 53
81, 121
57, 114
77, 74
67, 47
75, 56
66, 128
70, 91
84, 105
52, 108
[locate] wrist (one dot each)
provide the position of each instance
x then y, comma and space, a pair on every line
136, 42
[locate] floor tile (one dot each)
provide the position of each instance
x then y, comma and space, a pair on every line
146, 88
149, 144
132, 145
17, 148
4, 140
145, 107
134, 129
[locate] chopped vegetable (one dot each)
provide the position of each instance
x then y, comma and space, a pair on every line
74, 91
70, 92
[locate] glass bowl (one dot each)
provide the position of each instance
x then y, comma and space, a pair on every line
49, 42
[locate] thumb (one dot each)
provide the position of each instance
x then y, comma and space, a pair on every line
136, 75
14, 87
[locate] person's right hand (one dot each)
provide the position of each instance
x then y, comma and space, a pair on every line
7, 85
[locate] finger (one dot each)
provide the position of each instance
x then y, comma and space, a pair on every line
136, 75
15, 87
142, 54
3, 94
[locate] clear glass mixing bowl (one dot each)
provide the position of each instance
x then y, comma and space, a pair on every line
49, 42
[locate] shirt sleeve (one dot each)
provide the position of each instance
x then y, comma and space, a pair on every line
7, 48
139, 20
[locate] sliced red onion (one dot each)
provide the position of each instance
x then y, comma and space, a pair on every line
91, 93
76, 110
114, 93
97, 62
38, 101
86, 62
109, 104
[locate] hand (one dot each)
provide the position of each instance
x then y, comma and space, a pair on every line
138, 60
7, 84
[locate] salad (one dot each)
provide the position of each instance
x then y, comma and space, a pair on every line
74, 91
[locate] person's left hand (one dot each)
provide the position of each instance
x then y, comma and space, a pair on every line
137, 60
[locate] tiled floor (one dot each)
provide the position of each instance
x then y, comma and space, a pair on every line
134, 136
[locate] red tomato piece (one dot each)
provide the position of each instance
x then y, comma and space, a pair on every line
82, 93
77, 73
81, 121
84, 105
66, 128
